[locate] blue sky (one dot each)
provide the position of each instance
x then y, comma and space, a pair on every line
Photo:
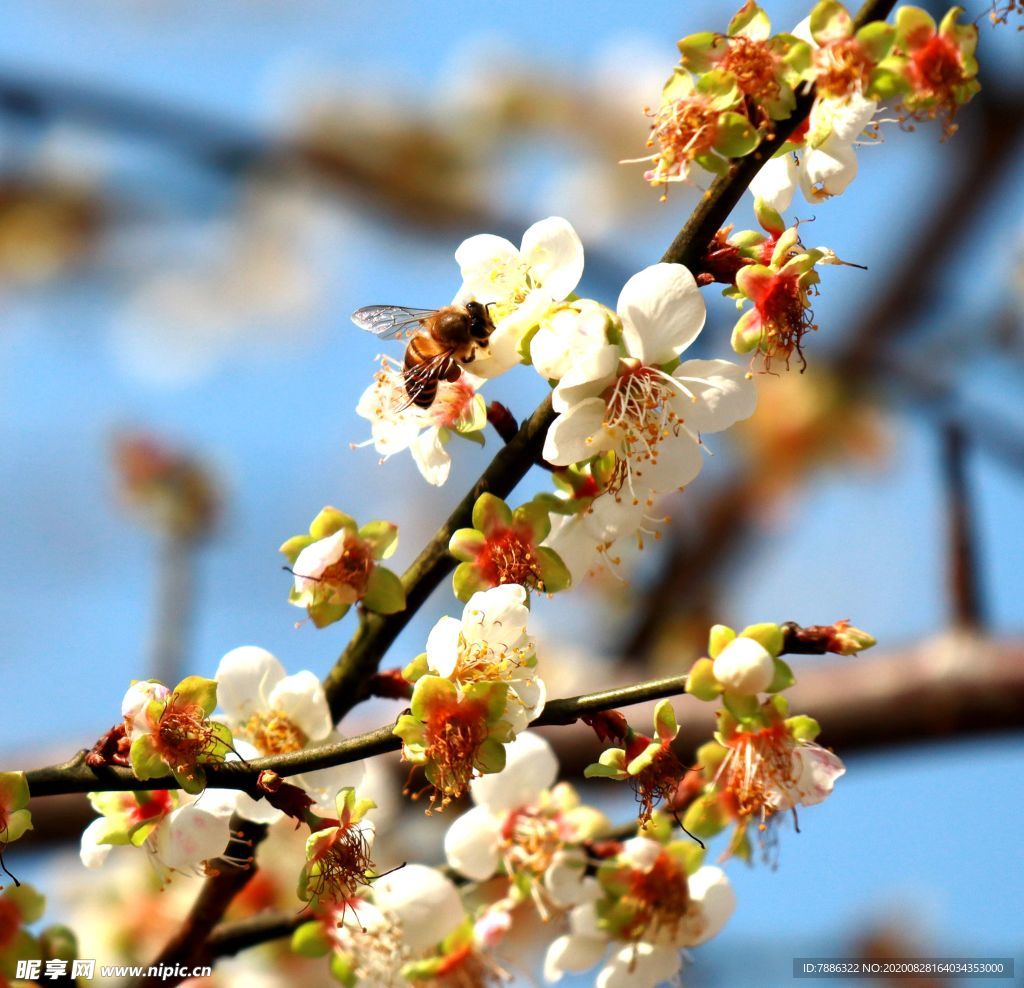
929, 833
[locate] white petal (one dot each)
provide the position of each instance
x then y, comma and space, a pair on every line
190, 836
710, 888
566, 338
316, 557
426, 903
566, 880
472, 842
478, 258
641, 852
679, 461
589, 376
662, 312
92, 853
639, 965
554, 253
851, 116
532, 694
827, 170
431, 458
776, 182
443, 646
530, 768
245, 677
573, 954
583, 922
577, 434
496, 617
301, 699
133, 706
724, 393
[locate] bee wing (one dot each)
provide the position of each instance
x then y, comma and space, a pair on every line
388, 320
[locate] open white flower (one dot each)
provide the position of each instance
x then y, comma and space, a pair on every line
653, 956
180, 831
518, 284
490, 643
586, 541
522, 823
826, 163
276, 714
397, 424
650, 419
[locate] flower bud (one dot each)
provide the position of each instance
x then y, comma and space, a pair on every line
849, 641
744, 666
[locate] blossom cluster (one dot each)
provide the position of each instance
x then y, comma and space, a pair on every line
729, 91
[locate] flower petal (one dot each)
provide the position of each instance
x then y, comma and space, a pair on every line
431, 457
573, 954
530, 768
725, 394
662, 312
710, 888
577, 434
479, 258
554, 253
776, 182
301, 698
245, 677
639, 965
472, 844
443, 646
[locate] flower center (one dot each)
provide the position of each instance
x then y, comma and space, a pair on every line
786, 317
935, 68
346, 579
659, 899
340, 861
157, 805
683, 129
183, 734
757, 766
530, 839
510, 556
454, 733
843, 68
657, 782
273, 733
452, 402
638, 411
755, 67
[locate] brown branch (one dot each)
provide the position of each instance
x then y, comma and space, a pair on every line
964, 577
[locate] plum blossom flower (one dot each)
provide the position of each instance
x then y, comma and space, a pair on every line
654, 901
820, 158
338, 858
504, 547
454, 733
375, 935
276, 714
179, 831
627, 404
490, 644
336, 564
171, 731
518, 284
396, 424
649, 765
526, 825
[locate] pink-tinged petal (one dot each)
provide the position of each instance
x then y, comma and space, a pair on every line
472, 844
190, 836
577, 434
572, 954
662, 312
724, 391
245, 678
755, 281
553, 251
302, 700
92, 853
530, 768
316, 557
776, 182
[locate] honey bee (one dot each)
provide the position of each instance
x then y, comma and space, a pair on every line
448, 339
